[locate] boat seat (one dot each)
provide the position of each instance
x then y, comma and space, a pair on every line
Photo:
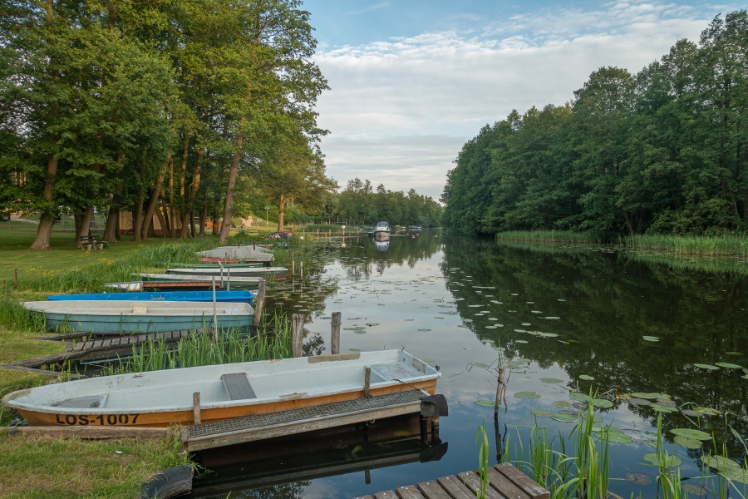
237, 386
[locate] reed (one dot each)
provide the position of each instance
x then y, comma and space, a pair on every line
272, 342
549, 236
14, 316
724, 245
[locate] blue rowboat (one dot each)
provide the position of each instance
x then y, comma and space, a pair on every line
221, 296
131, 316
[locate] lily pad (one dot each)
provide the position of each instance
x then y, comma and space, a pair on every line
688, 443
425, 329
637, 478
552, 381
616, 436
721, 463
485, 403
727, 365
523, 342
481, 365
644, 395
527, 395
526, 324
541, 413
354, 350
563, 418
691, 433
638, 401
670, 462
586, 377
663, 408
745, 377
547, 335
707, 411
603, 404
562, 404
650, 338
552, 318
579, 397
706, 366
695, 490
736, 475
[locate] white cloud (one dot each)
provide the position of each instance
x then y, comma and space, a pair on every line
400, 109
368, 8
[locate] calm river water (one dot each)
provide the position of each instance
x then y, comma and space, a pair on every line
453, 300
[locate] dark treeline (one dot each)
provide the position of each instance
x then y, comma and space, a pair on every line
361, 203
662, 151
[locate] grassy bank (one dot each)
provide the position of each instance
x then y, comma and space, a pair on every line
726, 245
548, 236
49, 467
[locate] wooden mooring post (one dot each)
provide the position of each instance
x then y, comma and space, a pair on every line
297, 327
335, 334
196, 408
259, 302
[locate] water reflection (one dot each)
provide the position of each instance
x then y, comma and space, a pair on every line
578, 315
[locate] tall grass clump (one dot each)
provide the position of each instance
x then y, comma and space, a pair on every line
725, 245
233, 345
577, 465
549, 236
92, 277
14, 316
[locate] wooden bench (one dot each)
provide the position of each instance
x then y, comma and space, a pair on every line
506, 482
90, 242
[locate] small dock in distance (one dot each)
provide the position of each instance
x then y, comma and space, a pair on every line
506, 482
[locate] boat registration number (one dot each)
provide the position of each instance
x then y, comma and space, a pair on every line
98, 419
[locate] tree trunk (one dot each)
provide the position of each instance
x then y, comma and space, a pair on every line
77, 217
84, 228
194, 187
183, 177
137, 214
228, 206
628, 223
193, 231
203, 216
111, 226
147, 221
216, 221
43, 232
281, 213
162, 221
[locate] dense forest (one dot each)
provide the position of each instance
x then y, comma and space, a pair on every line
167, 109
361, 203
662, 151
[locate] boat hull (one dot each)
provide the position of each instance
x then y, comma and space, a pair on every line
107, 324
276, 273
184, 418
203, 296
161, 398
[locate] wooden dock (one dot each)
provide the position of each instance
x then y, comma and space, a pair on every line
295, 421
127, 342
506, 482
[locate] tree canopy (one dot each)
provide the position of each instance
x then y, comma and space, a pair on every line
661, 151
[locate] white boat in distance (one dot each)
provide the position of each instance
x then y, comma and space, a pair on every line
132, 316
382, 226
277, 273
160, 398
236, 280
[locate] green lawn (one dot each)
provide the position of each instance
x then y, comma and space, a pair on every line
34, 467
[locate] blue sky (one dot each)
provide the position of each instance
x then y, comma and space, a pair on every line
411, 81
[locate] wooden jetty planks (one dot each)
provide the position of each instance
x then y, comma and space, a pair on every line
408, 492
506, 482
455, 488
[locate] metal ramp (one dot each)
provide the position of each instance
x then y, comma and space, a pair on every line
265, 426
237, 386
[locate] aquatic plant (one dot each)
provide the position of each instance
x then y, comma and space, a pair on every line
272, 341
549, 236
724, 245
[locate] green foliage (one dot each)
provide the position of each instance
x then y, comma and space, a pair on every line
360, 204
659, 152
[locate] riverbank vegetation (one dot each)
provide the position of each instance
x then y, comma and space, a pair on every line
162, 109
661, 151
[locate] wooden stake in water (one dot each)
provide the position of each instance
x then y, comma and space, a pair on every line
259, 302
196, 419
293, 269
228, 279
335, 340
499, 392
302, 270
367, 381
215, 317
297, 327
